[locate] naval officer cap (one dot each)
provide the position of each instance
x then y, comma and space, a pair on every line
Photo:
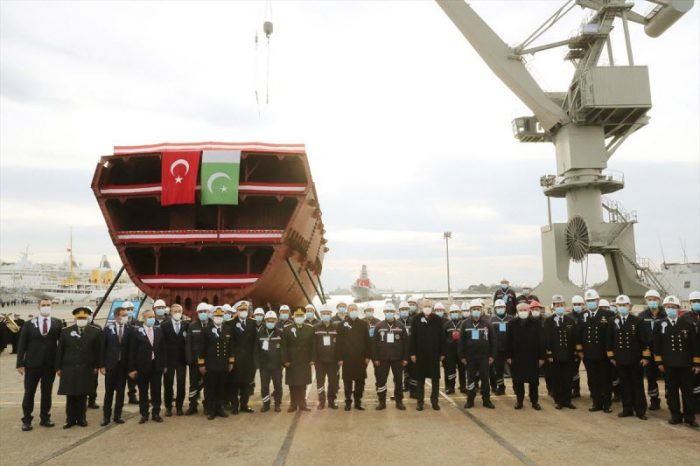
299, 311
82, 311
218, 311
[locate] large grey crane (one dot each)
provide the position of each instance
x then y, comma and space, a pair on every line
587, 123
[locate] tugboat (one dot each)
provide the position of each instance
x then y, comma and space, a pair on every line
249, 227
363, 289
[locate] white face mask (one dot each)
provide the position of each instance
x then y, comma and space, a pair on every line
45, 311
124, 320
177, 316
535, 313
81, 322
243, 315
523, 314
427, 311
218, 320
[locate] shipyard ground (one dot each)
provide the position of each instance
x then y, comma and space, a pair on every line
446, 437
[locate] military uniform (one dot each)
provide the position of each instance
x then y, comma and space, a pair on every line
78, 358
651, 372
353, 349
239, 379
628, 344
560, 338
453, 365
676, 347
297, 355
193, 346
500, 328
477, 344
694, 317
216, 355
326, 362
576, 377
594, 341
268, 352
390, 350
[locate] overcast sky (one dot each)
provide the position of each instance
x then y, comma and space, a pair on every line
408, 132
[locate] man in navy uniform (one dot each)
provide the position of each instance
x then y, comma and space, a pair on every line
652, 316
113, 364
36, 359
560, 338
147, 358
215, 360
594, 341
192, 347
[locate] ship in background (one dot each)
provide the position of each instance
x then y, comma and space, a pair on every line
678, 279
363, 289
268, 248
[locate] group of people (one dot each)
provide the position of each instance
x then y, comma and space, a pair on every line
223, 347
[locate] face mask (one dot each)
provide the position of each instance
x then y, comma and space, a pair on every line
623, 310
299, 320
389, 316
177, 316
203, 316
695, 307
131, 314
369, 315
535, 313
465, 314
81, 322
591, 305
578, 309
526, 292
309, 315
160, 312
270, 325
218, 320
412, 309
476, 314
523, 314
613, 309
440, 314
653, 304
504, 286
354, 315
284, 316
403, 314
560, 310
672, 312
124, 320
258, 319
45, 310
427, 311
325, 317
227, 317
243, 315
454, 316
500, 311
342, 310
151, 321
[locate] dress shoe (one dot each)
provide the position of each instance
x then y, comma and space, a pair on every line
488, 404
93, 405
380, 407
83, 423
463, 390
26, 426
570, 406
536, 407
118, 420
143, 420
168, 412
277, 408
68, 424
435, 406
191, 410
607, 410
400, 406
419, 406
332, 405
211, 416
593, 409
469, 403
348, 406
359, 407
221, 413
558, 406
673, 422
105, 422
47, 423
265, 408
247, 410
291, 409
450, 391
179, 412
624, 414
643, 417
157, 418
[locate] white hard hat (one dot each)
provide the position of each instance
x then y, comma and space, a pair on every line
499, 303
623, 299
604, 303
284, 307
412, 300
464, 306
159, 303
390, 307
475, 303
258, 312
310, 306
326, 308
504, 280
202, 307
341, 303
694, 296
591, 295
270, 315
652, 294
227, 308
403, 305
671, 300
439, 306
369, 307
454, 308
558, 299
526, 287
577, 300
128, 305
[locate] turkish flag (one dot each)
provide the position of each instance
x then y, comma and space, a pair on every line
178, 177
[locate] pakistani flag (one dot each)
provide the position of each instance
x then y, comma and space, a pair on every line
219, 181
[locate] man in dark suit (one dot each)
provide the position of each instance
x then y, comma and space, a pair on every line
174, 333
244, 334
113, 363
36, 359
147, 357
77, 361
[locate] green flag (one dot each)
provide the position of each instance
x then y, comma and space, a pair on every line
219, 181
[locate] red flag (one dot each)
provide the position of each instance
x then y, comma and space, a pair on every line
179, 175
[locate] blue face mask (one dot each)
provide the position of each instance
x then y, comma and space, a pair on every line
653, 304
578, 309
440, 314
591, 305
695, 307
258, 319
613, 309
623, 311
389, 316
672, 312
151, 321
284, 316
326, 317
504, 286
476, 314
342, 310
354, 315
500, 311
203, 316
412, 309
160, 312
270, 325
299, 320
559, 310
403, 314
309, 315
227, 317
454, 316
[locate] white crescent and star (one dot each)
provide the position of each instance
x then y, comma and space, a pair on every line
213, 177
184, 163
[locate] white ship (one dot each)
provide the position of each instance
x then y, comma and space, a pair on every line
679, 278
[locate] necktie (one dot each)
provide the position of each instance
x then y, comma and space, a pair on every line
45, 327
150, 335
177, 329
623, 321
